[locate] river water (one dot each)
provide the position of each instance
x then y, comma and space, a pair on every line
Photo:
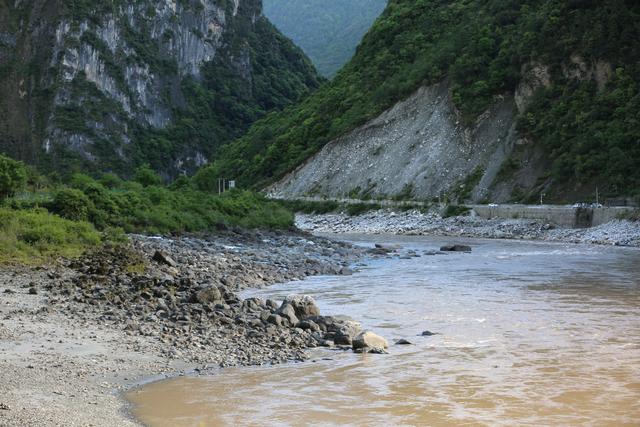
530, 334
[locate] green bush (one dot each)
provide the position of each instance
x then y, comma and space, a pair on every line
110, 180
13, 176
311, 207
72, 204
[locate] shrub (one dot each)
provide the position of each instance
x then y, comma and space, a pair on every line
456, 210
13, 176
72, 204
360, 208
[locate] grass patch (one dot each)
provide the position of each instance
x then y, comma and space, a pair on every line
36, 236
360, 208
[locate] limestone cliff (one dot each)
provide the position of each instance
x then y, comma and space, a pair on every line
108, 85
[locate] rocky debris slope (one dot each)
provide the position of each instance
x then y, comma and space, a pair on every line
418, 148
619, 232
185, 298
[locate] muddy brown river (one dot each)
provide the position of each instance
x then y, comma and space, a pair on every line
530, 334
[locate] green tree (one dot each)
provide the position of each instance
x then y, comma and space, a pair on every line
146, 176
13, 176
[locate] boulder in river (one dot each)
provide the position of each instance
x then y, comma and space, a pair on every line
455, 248
368, 342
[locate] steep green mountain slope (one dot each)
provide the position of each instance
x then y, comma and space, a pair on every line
327, 30
574, 66
110, 84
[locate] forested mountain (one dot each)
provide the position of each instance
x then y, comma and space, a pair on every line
104, 85
572, 69
327, 30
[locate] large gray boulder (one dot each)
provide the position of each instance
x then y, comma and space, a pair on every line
368, 342
303, 305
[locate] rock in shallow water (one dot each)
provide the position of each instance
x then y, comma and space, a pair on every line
368, 342
455, 248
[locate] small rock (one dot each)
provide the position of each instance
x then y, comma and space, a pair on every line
9, 291
429, 333
163, 258
402, 341
4, 407
275, 320
33, 291
287, 311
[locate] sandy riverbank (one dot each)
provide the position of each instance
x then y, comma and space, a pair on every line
75, 334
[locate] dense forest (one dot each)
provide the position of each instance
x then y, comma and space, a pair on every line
591, 134
327, 30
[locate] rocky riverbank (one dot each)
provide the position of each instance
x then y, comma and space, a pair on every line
619, 232
75, 333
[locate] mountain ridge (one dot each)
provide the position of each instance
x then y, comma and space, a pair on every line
580, 115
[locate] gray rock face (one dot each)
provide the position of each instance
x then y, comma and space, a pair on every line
418, 148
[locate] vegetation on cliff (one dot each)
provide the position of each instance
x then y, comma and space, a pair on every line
590, 133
